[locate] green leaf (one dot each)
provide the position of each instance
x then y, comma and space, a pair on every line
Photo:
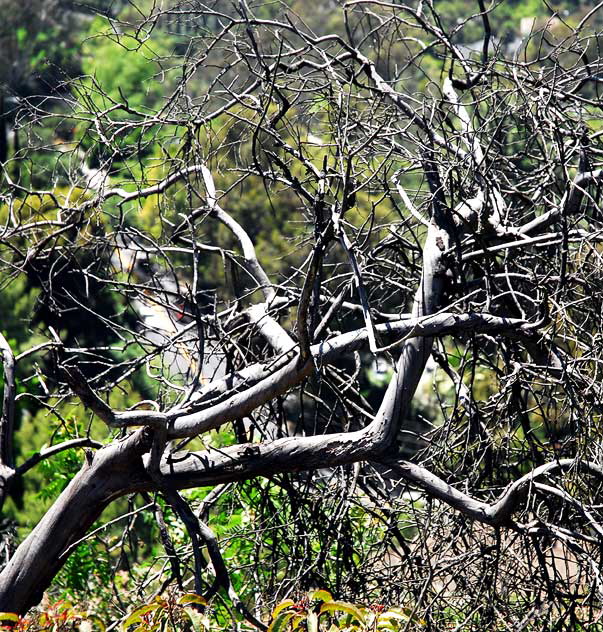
9, 616
320, 595
280, 623
136, 616
281, 606
343, 606
21, 33
190, 598
390, 614
401, 614
454, 361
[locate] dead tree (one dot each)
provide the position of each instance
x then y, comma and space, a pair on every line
443, 207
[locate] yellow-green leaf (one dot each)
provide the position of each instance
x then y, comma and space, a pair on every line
190, 598
137, 615
343, 606
281, 606
9, 616
401, 614
280, 622
321, 595
160, 601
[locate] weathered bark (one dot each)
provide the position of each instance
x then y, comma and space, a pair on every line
110, 473
121, 468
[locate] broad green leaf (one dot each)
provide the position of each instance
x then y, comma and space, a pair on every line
342, 606
137, 615
190, 598
281, 606
9, 616
346, 621
320, 595
280, 623
401, 614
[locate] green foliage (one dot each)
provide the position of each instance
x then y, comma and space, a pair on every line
169, 614
124, 73
39, 43
124, 68
57, 473
60, 616
319, 611
87, 566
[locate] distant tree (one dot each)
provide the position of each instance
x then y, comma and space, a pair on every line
245, 277
37, 39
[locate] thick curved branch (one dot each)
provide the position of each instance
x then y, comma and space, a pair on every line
103, 478
498, 513
269, 328
294, 454
160, 187
258, 314
251, 260
270, 385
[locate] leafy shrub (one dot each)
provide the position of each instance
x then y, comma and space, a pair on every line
319, 611
60, 616
169, 614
